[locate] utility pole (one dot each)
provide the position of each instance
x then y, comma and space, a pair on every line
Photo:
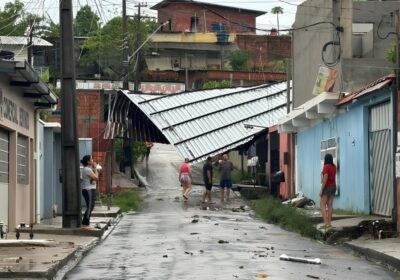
138, 66
125, 47
70, 158
396, 90
125, 86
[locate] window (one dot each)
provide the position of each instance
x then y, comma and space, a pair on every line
194, 24
22, 160
363, 39
4, 158
331, 146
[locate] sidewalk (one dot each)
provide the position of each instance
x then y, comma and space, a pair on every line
385, 251
53, 249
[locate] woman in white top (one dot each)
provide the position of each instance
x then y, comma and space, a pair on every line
89, 179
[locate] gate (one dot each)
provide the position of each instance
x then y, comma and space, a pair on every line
380, 165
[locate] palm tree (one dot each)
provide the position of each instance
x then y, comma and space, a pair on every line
276, 11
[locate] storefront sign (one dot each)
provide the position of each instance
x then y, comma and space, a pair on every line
9, 110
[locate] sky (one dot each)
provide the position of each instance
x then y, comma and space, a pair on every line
107, 9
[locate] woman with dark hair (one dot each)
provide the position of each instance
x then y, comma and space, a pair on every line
89, 177
328, 189
185, 178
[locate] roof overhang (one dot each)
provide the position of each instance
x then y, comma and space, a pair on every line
320, 107
194, 46
23, 76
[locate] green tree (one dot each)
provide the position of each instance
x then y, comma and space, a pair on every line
86, 22
104, 47
276, 11
239, 60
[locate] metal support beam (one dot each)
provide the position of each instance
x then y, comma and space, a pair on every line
34, 95
70, 159
21, 83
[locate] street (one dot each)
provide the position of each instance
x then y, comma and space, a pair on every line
170, 239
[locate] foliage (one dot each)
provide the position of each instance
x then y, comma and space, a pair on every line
239, 60
216, 84
391, 54
240, 177
276, 66
126, 200
276, 11
86, 22
273, 211
104, 47
138, 151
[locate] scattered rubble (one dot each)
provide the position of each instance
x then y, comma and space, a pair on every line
300, 201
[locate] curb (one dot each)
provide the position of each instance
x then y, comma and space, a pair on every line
80, 253
375, 255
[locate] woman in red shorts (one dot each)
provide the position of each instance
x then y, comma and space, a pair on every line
328, 189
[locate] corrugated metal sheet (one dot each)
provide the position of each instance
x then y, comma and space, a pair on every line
23, 41
206, 123
374, 86
381, 190
380, 117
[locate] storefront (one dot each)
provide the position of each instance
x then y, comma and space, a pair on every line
22, 93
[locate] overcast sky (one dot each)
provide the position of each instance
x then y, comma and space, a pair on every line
107, 9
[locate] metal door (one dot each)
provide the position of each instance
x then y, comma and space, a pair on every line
381, 191
4, 171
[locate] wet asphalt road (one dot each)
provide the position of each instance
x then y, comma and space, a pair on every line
170, 239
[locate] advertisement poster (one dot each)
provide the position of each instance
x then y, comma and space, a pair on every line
325, 80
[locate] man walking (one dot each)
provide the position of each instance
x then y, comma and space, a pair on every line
225, 168
207, 177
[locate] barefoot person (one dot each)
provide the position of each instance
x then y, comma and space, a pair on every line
148, 145
207, 177
328, 189
185, 177
90, 176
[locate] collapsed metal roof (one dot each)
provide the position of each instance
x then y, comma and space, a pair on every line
201, 123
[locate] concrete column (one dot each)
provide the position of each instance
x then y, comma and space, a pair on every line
346, 21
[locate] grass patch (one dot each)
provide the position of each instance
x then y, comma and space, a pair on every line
273, 211
126, 200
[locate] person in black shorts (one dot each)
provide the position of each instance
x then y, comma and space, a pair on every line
207, 177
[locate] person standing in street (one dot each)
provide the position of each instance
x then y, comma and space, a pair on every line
225, 168
185, 178
148, 145
328, 190
207, 177
90, 176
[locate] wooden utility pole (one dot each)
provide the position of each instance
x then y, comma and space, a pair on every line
70, 153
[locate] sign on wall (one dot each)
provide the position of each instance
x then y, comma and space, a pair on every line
9, 110
326, 79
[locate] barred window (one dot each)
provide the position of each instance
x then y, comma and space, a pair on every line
22, 160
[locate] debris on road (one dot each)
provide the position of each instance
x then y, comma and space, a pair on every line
262, 275
223, 241
312, 276
285, 257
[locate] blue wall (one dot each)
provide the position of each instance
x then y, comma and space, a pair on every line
351, 127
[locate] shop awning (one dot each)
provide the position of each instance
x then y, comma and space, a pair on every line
320, 107
201, 123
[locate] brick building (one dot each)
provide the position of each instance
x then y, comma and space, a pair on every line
199, 38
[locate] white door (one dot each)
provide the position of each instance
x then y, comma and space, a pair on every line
4, 167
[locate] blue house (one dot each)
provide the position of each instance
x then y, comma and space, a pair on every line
357, 131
